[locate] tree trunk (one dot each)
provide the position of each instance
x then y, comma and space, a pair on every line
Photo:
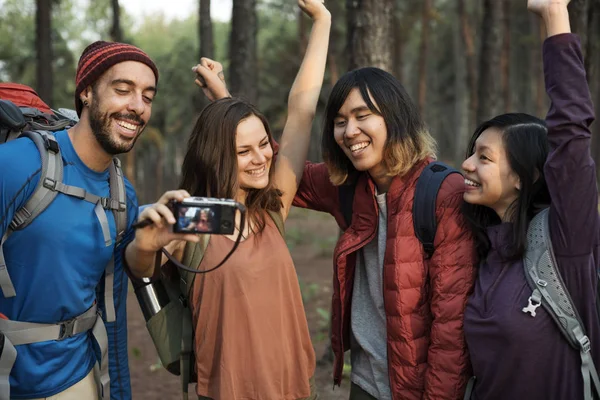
335, 41
469, 52
116, 34
242, 50
537, 69
43, 43
578, 15
205, 29
370, 33
505, 57
423, 50
462, 87
128, 160
302, 36
398, 44
490, 90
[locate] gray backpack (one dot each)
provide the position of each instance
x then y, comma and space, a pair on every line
549, 291
14, 333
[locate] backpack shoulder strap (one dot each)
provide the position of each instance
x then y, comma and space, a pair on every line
118, 200
549, 290
44, 193
279, 222
346, 195
192, 257
424, 217
51, 174
118, 196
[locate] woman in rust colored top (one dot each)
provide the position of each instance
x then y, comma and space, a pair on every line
251, 337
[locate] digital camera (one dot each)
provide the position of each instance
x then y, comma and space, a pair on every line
204, 215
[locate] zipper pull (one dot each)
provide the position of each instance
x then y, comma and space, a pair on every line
535, 300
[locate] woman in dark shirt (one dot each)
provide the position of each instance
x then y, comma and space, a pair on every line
516, 165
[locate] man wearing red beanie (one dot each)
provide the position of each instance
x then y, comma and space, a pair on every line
68, 261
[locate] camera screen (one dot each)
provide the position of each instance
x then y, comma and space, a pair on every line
195, 219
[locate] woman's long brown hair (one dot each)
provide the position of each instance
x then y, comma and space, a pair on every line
210, 166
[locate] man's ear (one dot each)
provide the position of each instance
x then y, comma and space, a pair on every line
86, 96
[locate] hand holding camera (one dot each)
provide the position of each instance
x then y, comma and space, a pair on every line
157, 220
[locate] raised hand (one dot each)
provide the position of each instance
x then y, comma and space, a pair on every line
554, 13
157, 235
542, 7
210, 77
315, 9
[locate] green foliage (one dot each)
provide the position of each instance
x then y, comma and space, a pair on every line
279, 61
17, 41
136, 352
308, 291
17, 46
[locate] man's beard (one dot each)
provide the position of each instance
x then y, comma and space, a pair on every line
101, 128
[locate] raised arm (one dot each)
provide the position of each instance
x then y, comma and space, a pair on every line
302, 104
570, 171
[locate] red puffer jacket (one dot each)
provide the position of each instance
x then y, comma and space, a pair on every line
424, 299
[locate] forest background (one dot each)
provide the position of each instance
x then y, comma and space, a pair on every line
461, 60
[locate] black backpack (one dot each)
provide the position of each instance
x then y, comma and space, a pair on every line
424, 219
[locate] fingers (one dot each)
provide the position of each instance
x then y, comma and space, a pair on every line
158, 214
211, 64
313, 8
153, 215
173, 195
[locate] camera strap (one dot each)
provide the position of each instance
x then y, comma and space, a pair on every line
198, 271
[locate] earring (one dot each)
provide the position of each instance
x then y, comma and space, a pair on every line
85, 103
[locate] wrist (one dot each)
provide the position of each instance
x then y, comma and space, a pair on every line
556, 19
322, 18
135, 249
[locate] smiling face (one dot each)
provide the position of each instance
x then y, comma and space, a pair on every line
361, 134
120, 105
489, 179
254, 154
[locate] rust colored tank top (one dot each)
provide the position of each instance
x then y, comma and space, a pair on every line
251, 335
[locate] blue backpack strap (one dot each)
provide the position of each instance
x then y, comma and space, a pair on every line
424, 218
346, 194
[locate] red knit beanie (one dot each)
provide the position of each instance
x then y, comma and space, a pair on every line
99, 57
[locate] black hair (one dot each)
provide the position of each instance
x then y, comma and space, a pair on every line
525, 140
408, 140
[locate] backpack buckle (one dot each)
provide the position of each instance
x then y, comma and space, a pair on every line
50, 183
66, 329
50, 144
584, 343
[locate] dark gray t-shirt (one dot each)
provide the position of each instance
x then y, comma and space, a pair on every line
368, 341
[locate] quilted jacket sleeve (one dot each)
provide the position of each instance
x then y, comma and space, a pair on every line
451, 274
316, 192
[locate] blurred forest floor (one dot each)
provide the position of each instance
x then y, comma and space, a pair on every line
311, 237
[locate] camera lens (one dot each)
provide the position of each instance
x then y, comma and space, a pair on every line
226, 224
